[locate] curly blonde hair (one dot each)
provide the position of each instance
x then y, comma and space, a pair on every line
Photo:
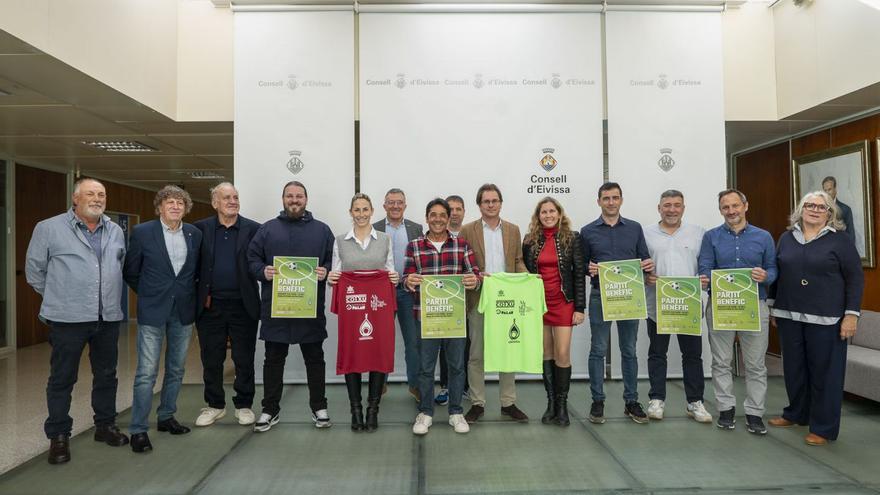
563, 224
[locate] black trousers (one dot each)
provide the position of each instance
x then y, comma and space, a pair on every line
227, 319
691, 347
273, 375
814, 363
68, 341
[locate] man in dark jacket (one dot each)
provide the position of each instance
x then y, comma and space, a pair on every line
161, 268
295, 232
228, 306
829, 185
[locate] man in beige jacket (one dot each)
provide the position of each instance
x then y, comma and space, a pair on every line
497, 246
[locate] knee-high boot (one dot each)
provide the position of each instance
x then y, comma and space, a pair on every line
377, 381
563, 380
353, 383
550, 413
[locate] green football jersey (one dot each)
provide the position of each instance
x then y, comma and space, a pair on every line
513, 308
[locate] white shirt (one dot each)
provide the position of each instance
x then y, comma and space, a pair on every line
674, 255
494, 244
176, 246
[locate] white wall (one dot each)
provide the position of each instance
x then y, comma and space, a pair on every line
204, 62
824, 49
748, 62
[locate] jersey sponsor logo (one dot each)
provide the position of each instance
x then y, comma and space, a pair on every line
376, 303
366, 328
504, 306
524, 308
513, 334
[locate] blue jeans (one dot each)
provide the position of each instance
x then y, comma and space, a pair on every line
410, 334
429, 349
149, 350
600, 333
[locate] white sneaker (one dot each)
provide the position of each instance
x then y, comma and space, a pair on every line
423, 422
321, 419
209, 415
458, 423
655, 408
245, 416
266, 422
698, 411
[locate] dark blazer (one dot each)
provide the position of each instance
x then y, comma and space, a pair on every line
413, 230
569, 262
149, 273
250, 291
847, 217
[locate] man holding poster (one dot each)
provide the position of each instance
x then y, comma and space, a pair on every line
612, 237
298, 249
674, 247
738, 244
439, 253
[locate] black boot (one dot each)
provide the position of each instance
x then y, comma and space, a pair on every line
353, 383
550, 413
563, 380
377, 381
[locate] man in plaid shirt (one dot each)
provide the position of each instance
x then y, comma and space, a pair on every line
439, 253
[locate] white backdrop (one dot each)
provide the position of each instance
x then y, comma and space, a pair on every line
451, 101
294, 120
665, 124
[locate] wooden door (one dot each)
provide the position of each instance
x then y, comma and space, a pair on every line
39, 194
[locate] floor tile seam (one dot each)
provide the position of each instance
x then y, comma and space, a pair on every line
200, 484
589, 428
419, 476
804, 455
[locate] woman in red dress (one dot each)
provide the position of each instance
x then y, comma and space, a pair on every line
554, 251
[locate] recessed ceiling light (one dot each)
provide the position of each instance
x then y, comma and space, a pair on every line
206, 175
120, 146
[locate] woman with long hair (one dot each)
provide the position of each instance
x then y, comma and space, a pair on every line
554, 251
362, 250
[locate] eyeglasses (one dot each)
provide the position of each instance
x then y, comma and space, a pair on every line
815, 207
395, 203
491, 201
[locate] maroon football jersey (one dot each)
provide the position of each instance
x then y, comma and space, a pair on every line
365, 302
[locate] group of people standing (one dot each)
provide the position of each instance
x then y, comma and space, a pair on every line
207, 274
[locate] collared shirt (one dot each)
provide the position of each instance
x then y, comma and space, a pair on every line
494, 244
752, 247
337, 261
674, 255
94, 239
61, 256
455, 258
224, 273
798, 235
399, 240
622, 241
176, 246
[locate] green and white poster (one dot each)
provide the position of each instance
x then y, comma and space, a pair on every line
294, 287
442, 303
679, 305
622, 287
735, 303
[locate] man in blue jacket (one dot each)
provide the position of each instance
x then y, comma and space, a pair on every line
228, 306
161, 267
294, 232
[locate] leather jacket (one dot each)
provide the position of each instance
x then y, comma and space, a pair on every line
571, 264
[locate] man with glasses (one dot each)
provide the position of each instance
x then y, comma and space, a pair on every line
497, 246
401, 231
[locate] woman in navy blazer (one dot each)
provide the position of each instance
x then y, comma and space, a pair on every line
818, 295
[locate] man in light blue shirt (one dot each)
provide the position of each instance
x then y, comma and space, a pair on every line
401, 231
674, 247
74, 260
737, 244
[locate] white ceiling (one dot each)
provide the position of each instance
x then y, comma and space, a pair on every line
52, 108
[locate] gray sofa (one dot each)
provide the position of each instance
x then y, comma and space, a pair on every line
863, 358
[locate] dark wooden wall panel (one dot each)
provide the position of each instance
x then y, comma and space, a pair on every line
769, 169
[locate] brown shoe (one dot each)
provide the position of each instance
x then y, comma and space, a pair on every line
110, 435
514, 413
781, 422
813, 439
59, 449
475, 413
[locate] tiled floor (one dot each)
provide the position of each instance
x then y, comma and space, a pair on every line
675, 455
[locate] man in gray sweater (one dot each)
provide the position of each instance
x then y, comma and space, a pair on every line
74, 260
